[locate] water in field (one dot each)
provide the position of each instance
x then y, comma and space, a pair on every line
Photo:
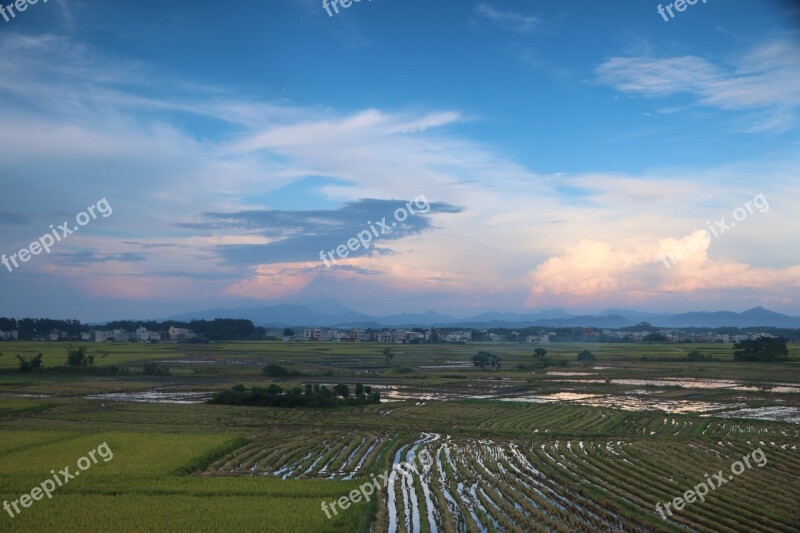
154, 397
624, 402
775, 414
696, 384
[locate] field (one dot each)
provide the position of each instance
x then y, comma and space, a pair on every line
580, 447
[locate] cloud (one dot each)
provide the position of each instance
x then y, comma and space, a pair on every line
765, 79
14, 219
88, 258
593, 271
507, 19
293, 236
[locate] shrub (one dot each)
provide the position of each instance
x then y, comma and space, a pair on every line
77, 357
30, 364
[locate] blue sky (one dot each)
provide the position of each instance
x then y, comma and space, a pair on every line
564, 150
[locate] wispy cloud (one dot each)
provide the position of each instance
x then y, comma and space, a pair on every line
766, 80
507, 19
14, 219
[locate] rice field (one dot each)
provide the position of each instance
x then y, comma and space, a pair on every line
573, 448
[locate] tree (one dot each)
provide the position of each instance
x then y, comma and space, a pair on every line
342, 390
151, 368
388, 355
77, 357
762, 349
586, 355
486, 359
697, 355
275, 371
30, 364
359, 389
539, 352
288, 333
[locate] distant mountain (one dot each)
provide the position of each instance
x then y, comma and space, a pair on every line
758, 316
329, 313
280, 315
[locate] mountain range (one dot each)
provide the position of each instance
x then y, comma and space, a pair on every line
329, 313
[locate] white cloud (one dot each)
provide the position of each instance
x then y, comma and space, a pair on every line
766, 79
507, 19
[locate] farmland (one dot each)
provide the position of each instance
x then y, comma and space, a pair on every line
580, 447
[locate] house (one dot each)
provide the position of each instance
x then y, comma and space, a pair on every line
458, 336
177, 334
103, 336
122, 335
144, 335
9, 335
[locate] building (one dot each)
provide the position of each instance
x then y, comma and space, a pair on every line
103, 336
144, 335
179, 334
9, 335
458, 336
122, 335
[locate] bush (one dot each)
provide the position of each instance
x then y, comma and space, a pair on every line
484, 359
30, 364
586, 355
77, 357
152, 369
277, 371
697, 355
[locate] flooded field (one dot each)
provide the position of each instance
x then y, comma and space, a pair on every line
154, 397
777, 414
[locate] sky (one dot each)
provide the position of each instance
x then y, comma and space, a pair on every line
493, 156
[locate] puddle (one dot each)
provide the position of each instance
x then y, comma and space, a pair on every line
570, 374
772, 414
547, 398
14, 395
453, 366
392, 394
694, 384
624, 402
154, 397
186, 362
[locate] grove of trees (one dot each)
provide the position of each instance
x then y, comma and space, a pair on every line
762, 350
310, 396
486, 359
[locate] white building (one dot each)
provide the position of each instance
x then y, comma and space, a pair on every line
144, 335
122, 335
9, 335
458, 336
176, 334
103, 336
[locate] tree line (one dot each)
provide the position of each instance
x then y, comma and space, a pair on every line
219, 329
